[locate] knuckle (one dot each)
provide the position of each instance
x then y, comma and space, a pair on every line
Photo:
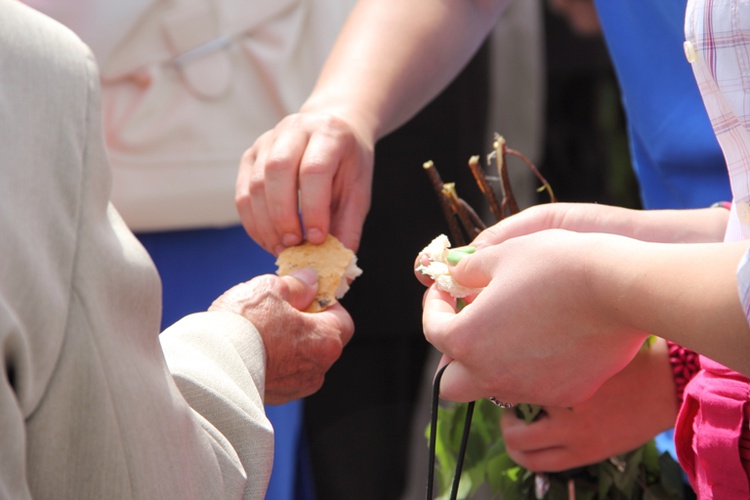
249, 156
255, 188
315, 383
242, 195
330, 348
266, 282
315, 165
277, 163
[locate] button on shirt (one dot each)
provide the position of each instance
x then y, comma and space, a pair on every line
712, 427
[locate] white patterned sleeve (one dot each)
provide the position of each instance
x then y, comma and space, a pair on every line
743, 283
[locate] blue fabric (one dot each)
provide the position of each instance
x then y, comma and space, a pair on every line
196, 266
674, 151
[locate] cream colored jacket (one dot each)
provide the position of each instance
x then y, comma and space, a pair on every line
94, 403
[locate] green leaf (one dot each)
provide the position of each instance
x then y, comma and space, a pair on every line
529, 413
671, 479
643, 473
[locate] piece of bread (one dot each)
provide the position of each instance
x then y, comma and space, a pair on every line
433, 262
336, 266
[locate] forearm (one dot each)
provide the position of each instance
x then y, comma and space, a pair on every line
665, 226
684, 293
392, 58
705, 225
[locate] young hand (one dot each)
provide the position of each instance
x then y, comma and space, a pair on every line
537, 332
311, 165
627, 411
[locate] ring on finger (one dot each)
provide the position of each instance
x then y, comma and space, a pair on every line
499, 403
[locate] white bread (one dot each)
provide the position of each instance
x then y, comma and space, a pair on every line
436, 267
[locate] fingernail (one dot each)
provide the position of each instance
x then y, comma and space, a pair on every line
306, 275
290, 240
315, 235
455, 256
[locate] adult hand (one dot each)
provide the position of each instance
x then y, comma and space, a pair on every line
627, 411
300, 347
539, 331
317, 160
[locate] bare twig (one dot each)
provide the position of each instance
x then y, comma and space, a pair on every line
545, 185
437, 184
478, 224
463, 221
485, 187
449, 191
509, 202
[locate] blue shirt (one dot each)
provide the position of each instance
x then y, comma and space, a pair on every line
673, 148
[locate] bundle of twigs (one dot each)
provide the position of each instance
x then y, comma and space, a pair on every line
463, 221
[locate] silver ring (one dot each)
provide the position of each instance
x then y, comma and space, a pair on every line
499, 403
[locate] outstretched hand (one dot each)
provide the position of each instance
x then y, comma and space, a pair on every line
313, 166
300, 347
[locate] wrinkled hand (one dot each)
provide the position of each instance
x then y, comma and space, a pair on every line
300, 347
627, 411
536, 333
324, 159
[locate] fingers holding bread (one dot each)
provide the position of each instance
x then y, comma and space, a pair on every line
335, 265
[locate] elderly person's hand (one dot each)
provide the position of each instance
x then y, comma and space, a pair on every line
300, 347
626, 412
312, 166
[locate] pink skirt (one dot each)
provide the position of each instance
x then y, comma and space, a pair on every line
712, 434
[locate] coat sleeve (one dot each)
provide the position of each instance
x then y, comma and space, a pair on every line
217, 361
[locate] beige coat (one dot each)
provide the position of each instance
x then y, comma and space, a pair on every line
94, 404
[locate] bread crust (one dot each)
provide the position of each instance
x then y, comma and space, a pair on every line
335, 264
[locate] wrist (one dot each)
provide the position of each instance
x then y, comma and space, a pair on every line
700, 225
614, 271
358, 118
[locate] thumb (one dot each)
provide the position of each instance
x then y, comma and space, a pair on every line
303, 285
473, 270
